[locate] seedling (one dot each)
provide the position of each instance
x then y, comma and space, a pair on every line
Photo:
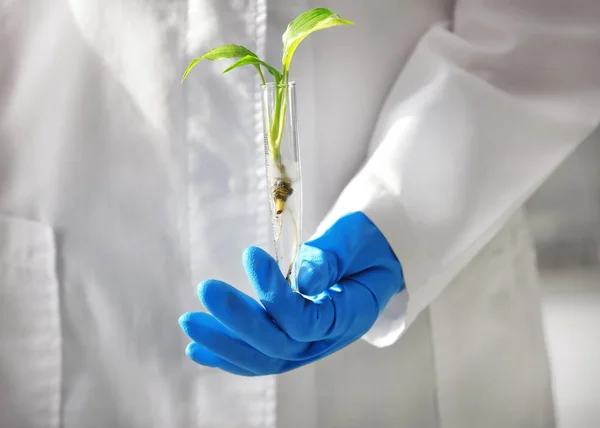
307, 23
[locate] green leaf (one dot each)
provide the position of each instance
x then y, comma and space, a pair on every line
305, 24
253, 60
222, 52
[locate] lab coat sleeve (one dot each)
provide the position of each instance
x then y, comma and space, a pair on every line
480, 116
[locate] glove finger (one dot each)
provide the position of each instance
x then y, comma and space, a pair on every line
355, 309
302, 319
202, 356
208, 332
248, 320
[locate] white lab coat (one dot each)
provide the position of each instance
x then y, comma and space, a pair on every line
120, 189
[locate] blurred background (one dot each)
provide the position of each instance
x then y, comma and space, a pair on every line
565, 217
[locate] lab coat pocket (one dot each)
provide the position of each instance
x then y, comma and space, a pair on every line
30, 339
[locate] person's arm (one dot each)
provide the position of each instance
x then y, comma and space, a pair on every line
481, 115
478, 119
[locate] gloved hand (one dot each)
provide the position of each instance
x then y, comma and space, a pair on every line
350, 273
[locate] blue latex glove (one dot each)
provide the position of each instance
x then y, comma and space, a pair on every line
350, 271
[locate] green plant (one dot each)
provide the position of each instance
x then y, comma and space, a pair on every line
297, 30
302, 26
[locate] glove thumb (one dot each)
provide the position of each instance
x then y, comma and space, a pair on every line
317, 272
350, 246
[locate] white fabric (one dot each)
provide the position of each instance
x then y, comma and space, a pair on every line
30, 387
120, 189
477, 120
490, 358
481, 364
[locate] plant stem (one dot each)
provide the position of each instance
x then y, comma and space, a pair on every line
282, 120
274, 131
277, 126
